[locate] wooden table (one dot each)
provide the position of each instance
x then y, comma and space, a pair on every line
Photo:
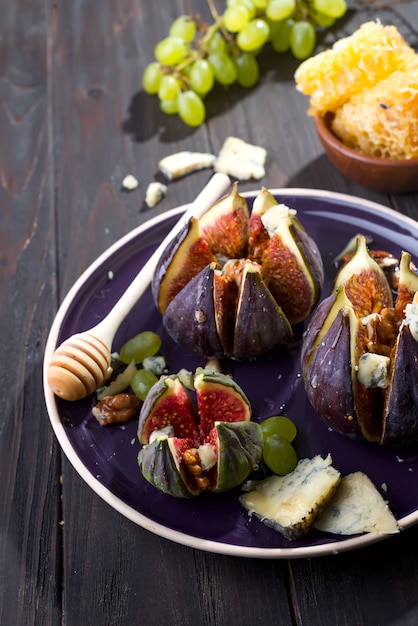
73, 122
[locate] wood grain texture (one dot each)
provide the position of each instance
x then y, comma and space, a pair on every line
30, 550
73, 122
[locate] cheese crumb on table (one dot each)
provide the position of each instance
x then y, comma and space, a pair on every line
129, 183
241, 160
181, 163
155, 193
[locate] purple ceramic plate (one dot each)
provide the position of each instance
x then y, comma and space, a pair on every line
106, 457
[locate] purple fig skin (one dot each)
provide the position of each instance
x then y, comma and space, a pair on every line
314, 326
328, 381
158, 467
400, 425
311, 252
190, 317
262, 327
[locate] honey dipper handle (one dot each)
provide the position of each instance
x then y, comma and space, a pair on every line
107, 328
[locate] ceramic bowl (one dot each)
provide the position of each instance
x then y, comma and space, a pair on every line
387, 175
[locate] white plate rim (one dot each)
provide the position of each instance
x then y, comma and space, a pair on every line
135, 516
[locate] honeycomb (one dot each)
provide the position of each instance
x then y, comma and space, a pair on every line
382, 121
353, 64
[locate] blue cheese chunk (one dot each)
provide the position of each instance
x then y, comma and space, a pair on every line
290, 504
273, 216
241, 160
181, 163
155, 193
373, 370
356, 508
411, 317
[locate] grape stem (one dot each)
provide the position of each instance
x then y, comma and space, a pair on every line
218, 24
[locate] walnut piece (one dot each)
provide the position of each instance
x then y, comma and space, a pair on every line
192, 462
119, 408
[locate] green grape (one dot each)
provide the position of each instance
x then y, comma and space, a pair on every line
248, 4
324, 21
280, 9
281, 38
302, 39
183, 27
247, 69
280, 425
216, 43
170, 51
235, 18
151, 77
260, 5
201, 76
139, 347
253, 36
169, 106
169, 88
331, 8
223, 67
191, 108
279, 455
141, 382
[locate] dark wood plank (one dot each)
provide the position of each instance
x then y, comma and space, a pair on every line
73, 122
30, 554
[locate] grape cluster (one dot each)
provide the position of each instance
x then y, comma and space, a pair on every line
194, 56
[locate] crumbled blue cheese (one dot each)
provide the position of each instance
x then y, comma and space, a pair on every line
357, 507
155, 364
207, 457
373, 370
129, 183
155, 193
241, 160
181, 163
291, 503
162, 433
273, 216
411, 319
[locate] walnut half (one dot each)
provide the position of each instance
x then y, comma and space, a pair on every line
119, 408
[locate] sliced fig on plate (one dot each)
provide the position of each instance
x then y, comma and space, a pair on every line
238, 448
218, 455
329, 356
190, 319
400, 424
259, 233
373, 358
168, 403
407, 284
225, 227
289, 281
365, 282
184, 257
162, 465
219, 399
262, 327
293, 270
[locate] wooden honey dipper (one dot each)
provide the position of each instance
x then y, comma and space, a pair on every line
82, 362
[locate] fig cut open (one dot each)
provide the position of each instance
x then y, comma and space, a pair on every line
233, 283
360, 353
190, 447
